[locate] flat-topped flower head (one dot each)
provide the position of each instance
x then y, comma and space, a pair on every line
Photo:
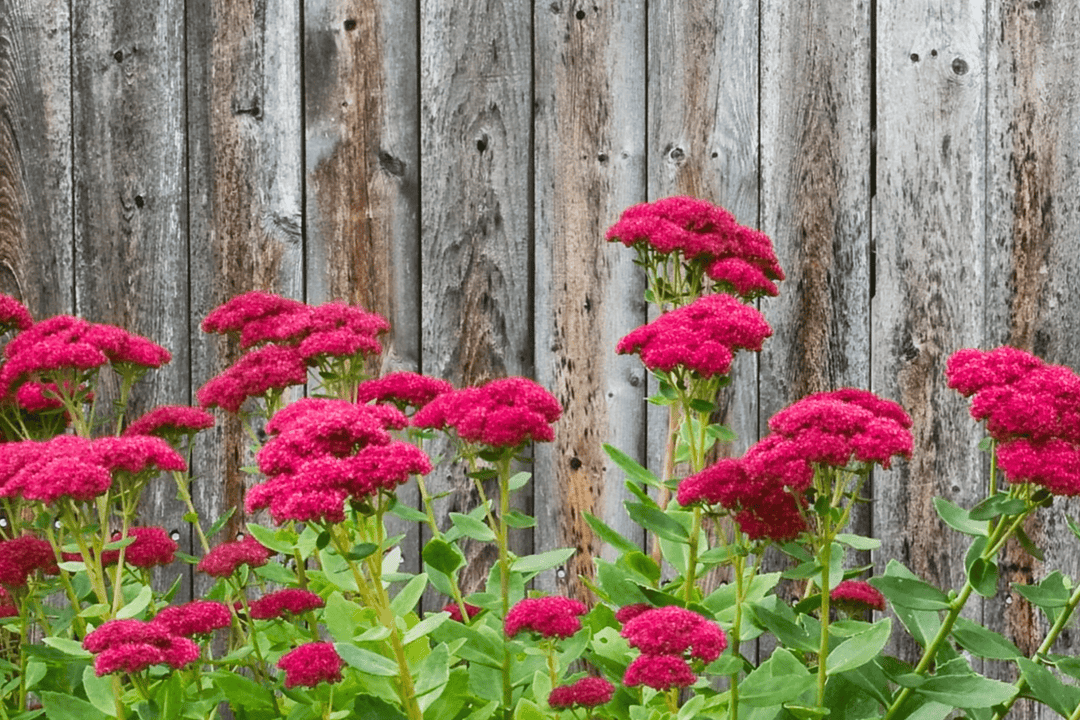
455, 611
1042, 404
22, 556
171, 421
403, 389
8, 608
152, 547
701, 337
46, 471
198, 617
311, 664
660, 672
13, 315
258, 316
504, 413
338, 329
855, 596
122, 347
551, 616
970, 370
225, 559
673, 630
588, 692
256, 373
628, 612
1054, 464
291, 601
137, 454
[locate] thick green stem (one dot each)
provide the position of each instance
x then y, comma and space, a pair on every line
692, 557
185, 494
823, 647
503, 467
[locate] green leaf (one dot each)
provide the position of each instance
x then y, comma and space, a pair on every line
702, 406
656, 521
220, 522
609, 535
282, 541
518, 480
982, 642
242, 691
527, 710
443, 556
362, 550
642, 564
425, 626
542, 561
618, 584
910, 593
721, 432
66, 646
966, 691
405, 512
999, 504
404, 602
471, 527
958, 518
1028, 545
859, 649
1047, 689
366, 661
520, 520
1049, 594
370, 706
99, 691
138, 604
276, 573
432, 676
1073, 526
61, 706
633, 470
323, 540
984, 577
780, 679
858, 542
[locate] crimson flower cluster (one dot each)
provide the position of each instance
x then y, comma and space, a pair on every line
73, 467
403, 389
21, 557
701, 337
195, 618
587, 692
455, 611
667, 637
66, 342
293, 601
1031, 409
311, 664
132, 646
170, 421
324, 452
505, 413
765, 487
225, 559
8, 608
13, 315
856, 595
739, 258
292, 336
551, 617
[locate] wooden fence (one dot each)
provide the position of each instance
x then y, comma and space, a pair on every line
453, 164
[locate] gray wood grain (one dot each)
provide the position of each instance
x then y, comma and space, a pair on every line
589, 154
1033, 253
130, 199
929, 232
475, 75
245, 179
362, 177
36, 264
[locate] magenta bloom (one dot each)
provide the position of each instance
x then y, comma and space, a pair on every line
969, 371
152, 547
22, 556
46, 471
258, 317
259, 371
133, 645
856, 595
404, 389
8, 608
170, 420
13, 314
586, 692
551, 616
455, 611
628, 612
293, 601
503, 413
1053, 464
198, 617
739, 259
311, 664
137, 454
341, 330
226, 558
673, 630
701, 337
660, 672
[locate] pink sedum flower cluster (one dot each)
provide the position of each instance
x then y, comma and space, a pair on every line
311, 664
225, 559
13, 315
856, 596
67, 466
764, 488
1031, 409
131, 646
326, 452
667, 637
292, 601
253, 375
403, 389
551, 617
738, 258
21, 557
701, 337
505, 413
198, 617
455, 611
168, 421
588, 692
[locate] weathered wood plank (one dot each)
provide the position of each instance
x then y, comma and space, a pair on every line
362, 177
35, 156
929, 234
475, 75
1033, 231
245, 180
130, 199
589, 151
